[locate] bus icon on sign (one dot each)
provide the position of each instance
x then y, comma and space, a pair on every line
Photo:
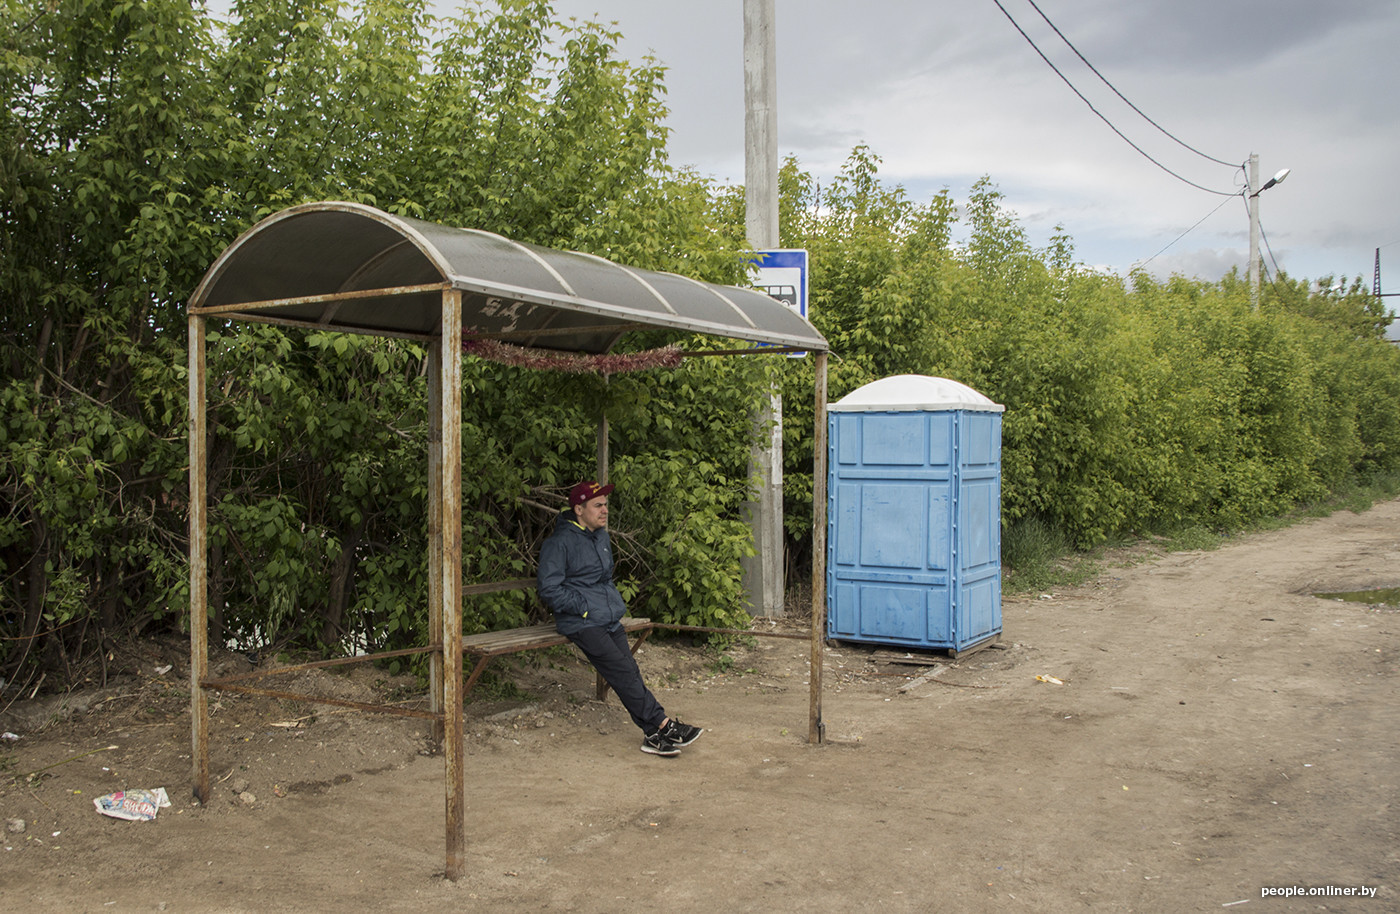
785, 294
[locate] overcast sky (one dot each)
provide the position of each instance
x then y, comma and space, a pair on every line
946, 91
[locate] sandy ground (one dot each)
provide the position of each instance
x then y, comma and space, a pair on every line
1217, 731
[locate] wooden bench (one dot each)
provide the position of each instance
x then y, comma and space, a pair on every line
513, 640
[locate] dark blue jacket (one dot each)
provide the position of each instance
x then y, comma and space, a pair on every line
575, 577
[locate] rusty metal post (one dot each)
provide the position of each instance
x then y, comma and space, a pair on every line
816, 729
449, 563
435, 554
199, 557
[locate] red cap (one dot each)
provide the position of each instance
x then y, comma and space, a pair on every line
586, 491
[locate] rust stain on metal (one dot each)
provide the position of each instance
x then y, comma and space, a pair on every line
321, 664
199, 557
325, 298
816, 727
224, 686
447, 565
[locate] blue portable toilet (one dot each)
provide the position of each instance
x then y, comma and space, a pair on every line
914, 515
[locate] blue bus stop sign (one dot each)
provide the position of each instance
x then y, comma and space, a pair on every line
783, 275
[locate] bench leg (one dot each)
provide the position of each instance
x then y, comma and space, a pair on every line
603, 687
476, 674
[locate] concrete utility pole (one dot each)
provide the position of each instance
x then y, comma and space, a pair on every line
1253, 191
1254, 230
763, 573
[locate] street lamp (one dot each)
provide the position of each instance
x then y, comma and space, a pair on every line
1253, 200
1276, 179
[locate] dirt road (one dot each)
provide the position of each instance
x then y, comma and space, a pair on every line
1217, 731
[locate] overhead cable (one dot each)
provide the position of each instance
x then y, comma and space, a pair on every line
1265, 238
1185, 233
1105, 81
1100, 115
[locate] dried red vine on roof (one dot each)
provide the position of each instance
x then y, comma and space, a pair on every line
577, 363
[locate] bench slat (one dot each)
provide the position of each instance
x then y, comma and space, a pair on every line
493, 644
524, 639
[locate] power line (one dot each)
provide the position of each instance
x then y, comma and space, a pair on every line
1105, 81
1185, 233
1264, 236
1100, 115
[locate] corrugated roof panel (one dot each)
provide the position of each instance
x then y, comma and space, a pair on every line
289, 257
482, 255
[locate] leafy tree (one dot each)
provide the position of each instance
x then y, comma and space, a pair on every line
110, 150
139, 139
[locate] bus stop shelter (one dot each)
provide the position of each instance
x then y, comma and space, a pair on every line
352, 268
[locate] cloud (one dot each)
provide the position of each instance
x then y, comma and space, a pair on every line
945, 93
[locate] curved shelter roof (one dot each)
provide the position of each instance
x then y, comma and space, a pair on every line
354, 268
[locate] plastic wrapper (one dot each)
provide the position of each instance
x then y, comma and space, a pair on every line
133, 805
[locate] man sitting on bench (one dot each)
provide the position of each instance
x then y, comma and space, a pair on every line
575, 582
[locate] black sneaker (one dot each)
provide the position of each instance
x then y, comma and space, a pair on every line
657, 744
681, 734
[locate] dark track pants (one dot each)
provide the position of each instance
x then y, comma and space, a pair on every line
611, 656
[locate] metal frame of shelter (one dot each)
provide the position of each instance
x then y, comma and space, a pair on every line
351, 268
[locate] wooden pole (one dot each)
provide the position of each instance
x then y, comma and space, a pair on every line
199, 558
816, 729
449, 565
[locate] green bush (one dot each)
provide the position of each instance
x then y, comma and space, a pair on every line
138, 142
